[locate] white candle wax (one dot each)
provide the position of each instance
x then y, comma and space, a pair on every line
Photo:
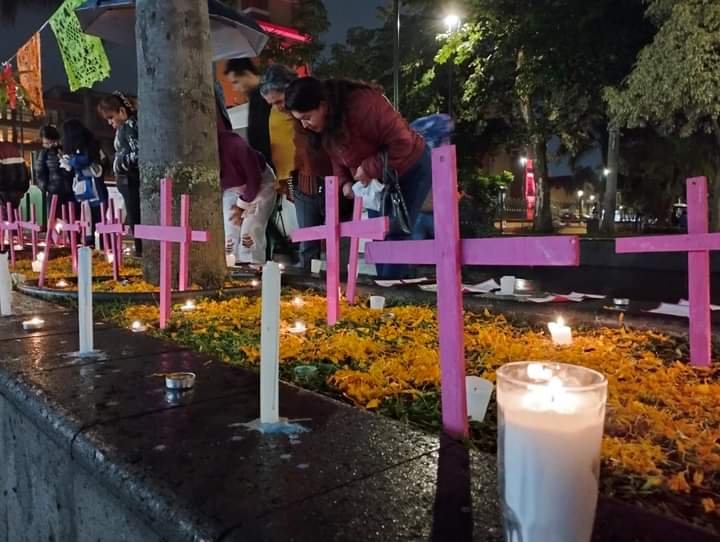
560, 333
110, 258
189, 305
270, 344
5, 286
85, 307
33, 324
36, 266
549, 441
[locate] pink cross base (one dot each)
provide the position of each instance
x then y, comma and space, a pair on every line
112, 230
29, 225
166, 233
9, 224
448, 252
332, 231
697, 243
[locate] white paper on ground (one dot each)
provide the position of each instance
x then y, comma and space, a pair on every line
428, 287
672, 309
686, 302
589, 296
388, 283
482, 287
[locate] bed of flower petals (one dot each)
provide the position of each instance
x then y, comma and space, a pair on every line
61, 267
663, 417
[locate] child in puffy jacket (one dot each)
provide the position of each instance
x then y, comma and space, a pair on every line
82, 158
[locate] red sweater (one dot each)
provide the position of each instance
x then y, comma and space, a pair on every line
371, 123
240, 165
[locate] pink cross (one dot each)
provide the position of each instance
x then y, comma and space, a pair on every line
49, 236
29, 225
71, 228
448, 252
10, 225
166, 233
112, 230
697, 243
332, 231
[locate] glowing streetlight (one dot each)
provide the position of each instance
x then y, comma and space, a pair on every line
452, 22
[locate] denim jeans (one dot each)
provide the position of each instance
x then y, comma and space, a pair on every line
415, 185
424, 227
310, 211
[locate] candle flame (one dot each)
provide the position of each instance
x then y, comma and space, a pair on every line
560, 321
538, 371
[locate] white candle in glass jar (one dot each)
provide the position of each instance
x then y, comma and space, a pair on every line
561, 334
550, 426
33, 324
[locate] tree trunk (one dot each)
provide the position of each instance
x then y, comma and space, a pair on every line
607, 225
178, 128
543, 209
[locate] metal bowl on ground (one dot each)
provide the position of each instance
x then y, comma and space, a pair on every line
180, 381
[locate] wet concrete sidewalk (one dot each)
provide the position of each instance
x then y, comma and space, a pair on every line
94, 448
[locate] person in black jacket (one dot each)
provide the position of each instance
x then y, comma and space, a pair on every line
14, 178
243, 75
50, 177
121, 114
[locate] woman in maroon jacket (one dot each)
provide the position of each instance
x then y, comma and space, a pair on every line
355, 122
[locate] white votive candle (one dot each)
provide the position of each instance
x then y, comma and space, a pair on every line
560, 333
33, 324
137, 326
110, 258
298, 328
298, 302
62, 283
550, 426
189, 305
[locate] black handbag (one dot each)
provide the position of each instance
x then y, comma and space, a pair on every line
393, 203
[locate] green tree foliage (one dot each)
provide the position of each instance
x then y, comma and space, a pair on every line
541, 65
675, 84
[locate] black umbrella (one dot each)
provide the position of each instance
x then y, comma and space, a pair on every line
233, 34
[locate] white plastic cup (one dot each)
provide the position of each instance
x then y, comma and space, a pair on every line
377, 302
507, 285
478, 392
315, 266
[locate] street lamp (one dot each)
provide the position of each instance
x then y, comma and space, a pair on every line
452, 22
580, 194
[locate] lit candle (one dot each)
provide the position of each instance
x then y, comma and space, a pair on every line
33, 324
37, 263
254, 283
59, 226
298, 302
560, 333
298, 328
62, 283
550, 426
110, 258
127, 251
137, 326
189, 305
282, 267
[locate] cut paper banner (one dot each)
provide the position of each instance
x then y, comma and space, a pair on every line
83, 56
30, 74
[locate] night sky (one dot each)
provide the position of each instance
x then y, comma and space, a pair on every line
343, 14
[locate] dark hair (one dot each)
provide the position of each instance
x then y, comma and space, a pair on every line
240, 66
276, 79
307, 93
77, 138
50, 133
115, 102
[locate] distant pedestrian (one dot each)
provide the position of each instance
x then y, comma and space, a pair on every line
354, 122
120, 112
49, 176
14, 178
